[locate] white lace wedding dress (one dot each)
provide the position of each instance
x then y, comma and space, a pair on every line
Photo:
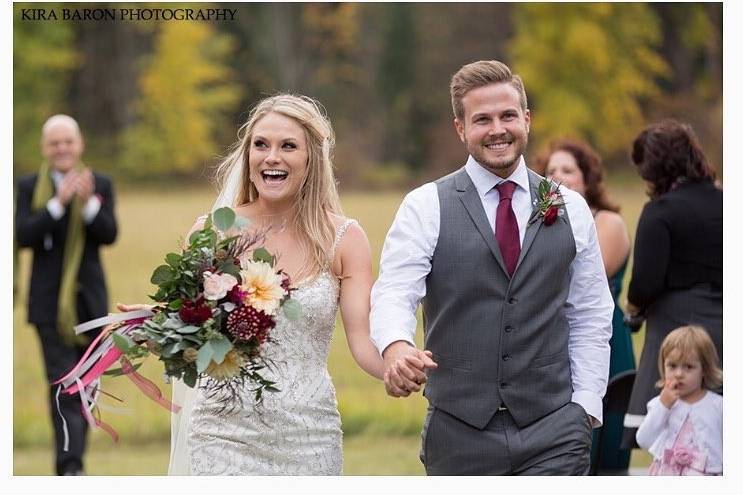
296, 431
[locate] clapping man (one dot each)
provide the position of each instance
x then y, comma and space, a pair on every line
64, 214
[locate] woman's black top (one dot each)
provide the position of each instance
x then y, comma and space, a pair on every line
678, 243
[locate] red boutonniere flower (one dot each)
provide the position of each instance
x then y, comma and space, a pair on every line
549, 203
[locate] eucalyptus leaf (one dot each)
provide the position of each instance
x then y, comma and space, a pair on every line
162, 274
224, 218
170, 349
230, 268
122, 342
261, 254
188, 329
176, 304
221, 347
204, 357
189, 376
241, 222
292, 309
173, 323
173, 259
207, 223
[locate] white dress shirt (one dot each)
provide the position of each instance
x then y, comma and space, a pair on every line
406, 262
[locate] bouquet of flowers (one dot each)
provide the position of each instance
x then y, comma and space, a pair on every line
216, 309
214, 315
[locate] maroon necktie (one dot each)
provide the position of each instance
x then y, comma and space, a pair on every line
506, 227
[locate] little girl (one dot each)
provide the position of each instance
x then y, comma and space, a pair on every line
683, 426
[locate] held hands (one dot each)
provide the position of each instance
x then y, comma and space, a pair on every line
405, 368
74, 183
670, 393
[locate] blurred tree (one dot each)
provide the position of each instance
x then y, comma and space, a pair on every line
104, 87
395, 83
588, 69
43, 59
692, 45
448, 36
186, 91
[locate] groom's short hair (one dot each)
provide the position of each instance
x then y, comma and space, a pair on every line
479, 74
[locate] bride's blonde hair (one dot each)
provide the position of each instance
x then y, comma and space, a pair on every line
317, 198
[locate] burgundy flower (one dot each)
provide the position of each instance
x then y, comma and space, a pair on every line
286, 282
550, 215
236, 295
195, 312
246, 322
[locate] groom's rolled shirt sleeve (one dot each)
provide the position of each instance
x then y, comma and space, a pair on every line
589, 310
405, 264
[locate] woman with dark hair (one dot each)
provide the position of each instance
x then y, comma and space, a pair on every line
576, 165
677, 270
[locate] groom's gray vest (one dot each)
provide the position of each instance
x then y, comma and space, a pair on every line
498, 341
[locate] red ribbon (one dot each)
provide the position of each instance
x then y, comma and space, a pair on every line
146, 386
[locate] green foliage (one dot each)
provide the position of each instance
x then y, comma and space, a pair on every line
224, 218
186, 96
587, 68
262, 255
292, 309
43, 60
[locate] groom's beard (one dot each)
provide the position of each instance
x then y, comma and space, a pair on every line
503, 165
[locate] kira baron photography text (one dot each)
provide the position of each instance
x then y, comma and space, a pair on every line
128, 14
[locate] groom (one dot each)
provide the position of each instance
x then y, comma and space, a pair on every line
516, 306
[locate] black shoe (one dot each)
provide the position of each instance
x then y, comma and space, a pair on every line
74, 472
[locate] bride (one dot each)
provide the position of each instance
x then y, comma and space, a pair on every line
280, 177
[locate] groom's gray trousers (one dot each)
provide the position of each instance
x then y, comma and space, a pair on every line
557, 444
500, 342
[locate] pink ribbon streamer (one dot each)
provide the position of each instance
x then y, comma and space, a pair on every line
147, 387
96, 371
87, 353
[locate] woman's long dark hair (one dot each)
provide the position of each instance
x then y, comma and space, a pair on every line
668, 153
589, 163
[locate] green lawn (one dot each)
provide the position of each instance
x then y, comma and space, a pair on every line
381, 434
363, 455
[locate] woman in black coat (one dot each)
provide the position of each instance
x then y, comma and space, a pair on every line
677, 270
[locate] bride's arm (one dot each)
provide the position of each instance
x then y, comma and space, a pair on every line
356, 283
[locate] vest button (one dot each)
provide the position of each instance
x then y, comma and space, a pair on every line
512, 300
503, 385
508, 329
506, 357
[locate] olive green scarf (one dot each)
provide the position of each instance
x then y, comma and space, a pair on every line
72, 254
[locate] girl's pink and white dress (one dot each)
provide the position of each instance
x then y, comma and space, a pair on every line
685, 439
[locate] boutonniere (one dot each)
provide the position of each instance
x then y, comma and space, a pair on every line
549, 203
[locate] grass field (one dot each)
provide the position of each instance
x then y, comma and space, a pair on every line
381, 434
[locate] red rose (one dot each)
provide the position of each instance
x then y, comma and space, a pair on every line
550, 215
195, 312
